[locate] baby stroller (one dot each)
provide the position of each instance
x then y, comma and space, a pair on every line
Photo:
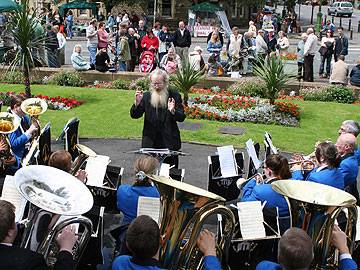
147, 62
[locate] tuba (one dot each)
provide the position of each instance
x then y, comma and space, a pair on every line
61, 196
184, 209
316, 208
8, 124
84, 153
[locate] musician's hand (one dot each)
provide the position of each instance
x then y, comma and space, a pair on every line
138, 97
67, 238
3, 145
171, 105
33, 129
82, 175
206, 243
296, 167
339, 240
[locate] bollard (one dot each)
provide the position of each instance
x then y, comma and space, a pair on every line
351, 34
359, 27
332, 19
349, 24
340, 22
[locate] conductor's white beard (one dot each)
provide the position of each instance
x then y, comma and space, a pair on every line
159, 99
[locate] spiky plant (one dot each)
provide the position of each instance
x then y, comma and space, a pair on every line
185, 78
24, 27
272, 72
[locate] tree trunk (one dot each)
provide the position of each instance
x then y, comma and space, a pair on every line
26, 75
186, 98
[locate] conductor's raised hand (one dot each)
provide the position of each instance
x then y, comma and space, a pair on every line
171, 105
138, 97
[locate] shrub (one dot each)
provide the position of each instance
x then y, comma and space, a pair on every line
16, 77
248, 88
66, 78
120, 84
142, 84
339, 94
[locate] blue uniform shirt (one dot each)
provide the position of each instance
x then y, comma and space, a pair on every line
127, 199
18, 139
264, 192
349, 167
357, 155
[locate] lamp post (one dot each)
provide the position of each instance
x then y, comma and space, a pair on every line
319, 18
155, 4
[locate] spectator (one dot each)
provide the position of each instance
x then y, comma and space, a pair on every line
300, 56
216, 30
69, 24
214, 67
271, 41
252, 28
134, 19
261, 46
123, 51
101, 17
341, 44
92, 42
125, 18
309, 53
133, 46
2, 22
355, 74
110, 23
102, 60
165, 41
235, 42
282, 43
248, 45
329, 26
156, 29
214, 45
103, 36
141, 30
171, 62
182, 41
62, 43
118, 19
196, 60
52, 47
326, 52
77, 61
150, 42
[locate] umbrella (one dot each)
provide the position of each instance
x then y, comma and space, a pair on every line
8, 5
206, 7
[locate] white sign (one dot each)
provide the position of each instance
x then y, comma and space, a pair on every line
202, 30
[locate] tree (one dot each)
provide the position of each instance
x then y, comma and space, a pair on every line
24, 27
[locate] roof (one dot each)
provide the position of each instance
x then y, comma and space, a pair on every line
206, 7
77, 4
8, 5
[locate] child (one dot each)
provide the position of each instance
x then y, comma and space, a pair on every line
214, 67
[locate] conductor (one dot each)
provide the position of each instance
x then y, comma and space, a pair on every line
163, 109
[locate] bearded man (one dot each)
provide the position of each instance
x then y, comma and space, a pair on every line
163, 109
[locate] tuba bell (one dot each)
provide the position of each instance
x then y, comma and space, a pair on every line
8, 124
84, 153
316, 208
60, 196
184, 209
34, 107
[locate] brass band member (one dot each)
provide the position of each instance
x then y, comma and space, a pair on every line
8, 162
351, 127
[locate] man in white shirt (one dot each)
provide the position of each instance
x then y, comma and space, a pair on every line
261, 46
62, 43
310, 49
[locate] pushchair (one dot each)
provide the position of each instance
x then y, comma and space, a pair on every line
147, 62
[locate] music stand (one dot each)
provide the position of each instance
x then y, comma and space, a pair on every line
159, 154
252, 169
44, 149
224, 186
70, 133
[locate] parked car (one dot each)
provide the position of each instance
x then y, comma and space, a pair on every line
341, 9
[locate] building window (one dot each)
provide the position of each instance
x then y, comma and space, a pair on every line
83, 11
237, 10
166, 7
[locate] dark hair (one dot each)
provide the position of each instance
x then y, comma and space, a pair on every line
212, 59
148, 31
143, 237
7, 218
157, 24
70, 12
279, 165
61, 160
341, 28
295, 250
328, 152
16, 100
331, 33
101, 24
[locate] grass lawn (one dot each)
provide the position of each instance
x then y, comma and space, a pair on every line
106, 114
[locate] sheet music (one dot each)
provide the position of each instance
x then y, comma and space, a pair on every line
272, 147
251, 220
252, 153
149, 206
227, 161
165, 170
96, 169
11, 194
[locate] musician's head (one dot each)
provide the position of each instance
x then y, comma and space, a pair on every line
15, 104
327, 154
346, 144
142, 166
143, 238
295, 250
8, 229
61, 160
158, 85
350, 126
277, 166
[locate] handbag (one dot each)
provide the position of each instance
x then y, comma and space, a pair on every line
323, 50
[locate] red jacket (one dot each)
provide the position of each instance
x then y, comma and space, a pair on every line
146, 42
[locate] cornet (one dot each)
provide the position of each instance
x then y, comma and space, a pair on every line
308, 163
258, 177
8, 124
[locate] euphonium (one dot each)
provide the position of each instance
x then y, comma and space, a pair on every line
84, 153
54, 193
8, 124
184, 209
315, 208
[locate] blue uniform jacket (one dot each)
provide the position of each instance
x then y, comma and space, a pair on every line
125, 263
349, 167
127, 199
328, 176
345, 264
18, 139
357, 155
264, 192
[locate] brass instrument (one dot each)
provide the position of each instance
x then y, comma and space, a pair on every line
184, 209
315, 208
84, 153
308, 163
8, 124
34, 107
53, 192
258, 177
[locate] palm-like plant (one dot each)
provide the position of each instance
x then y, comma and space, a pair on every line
272, 72
186, 78
24, 28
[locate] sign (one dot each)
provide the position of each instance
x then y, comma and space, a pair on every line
202, 30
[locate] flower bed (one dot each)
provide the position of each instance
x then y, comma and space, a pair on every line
54, 103
242, 109
289, 56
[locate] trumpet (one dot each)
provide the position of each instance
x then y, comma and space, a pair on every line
34, 107
258, 177
8, 124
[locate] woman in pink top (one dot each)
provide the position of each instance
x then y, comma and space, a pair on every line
103, 37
